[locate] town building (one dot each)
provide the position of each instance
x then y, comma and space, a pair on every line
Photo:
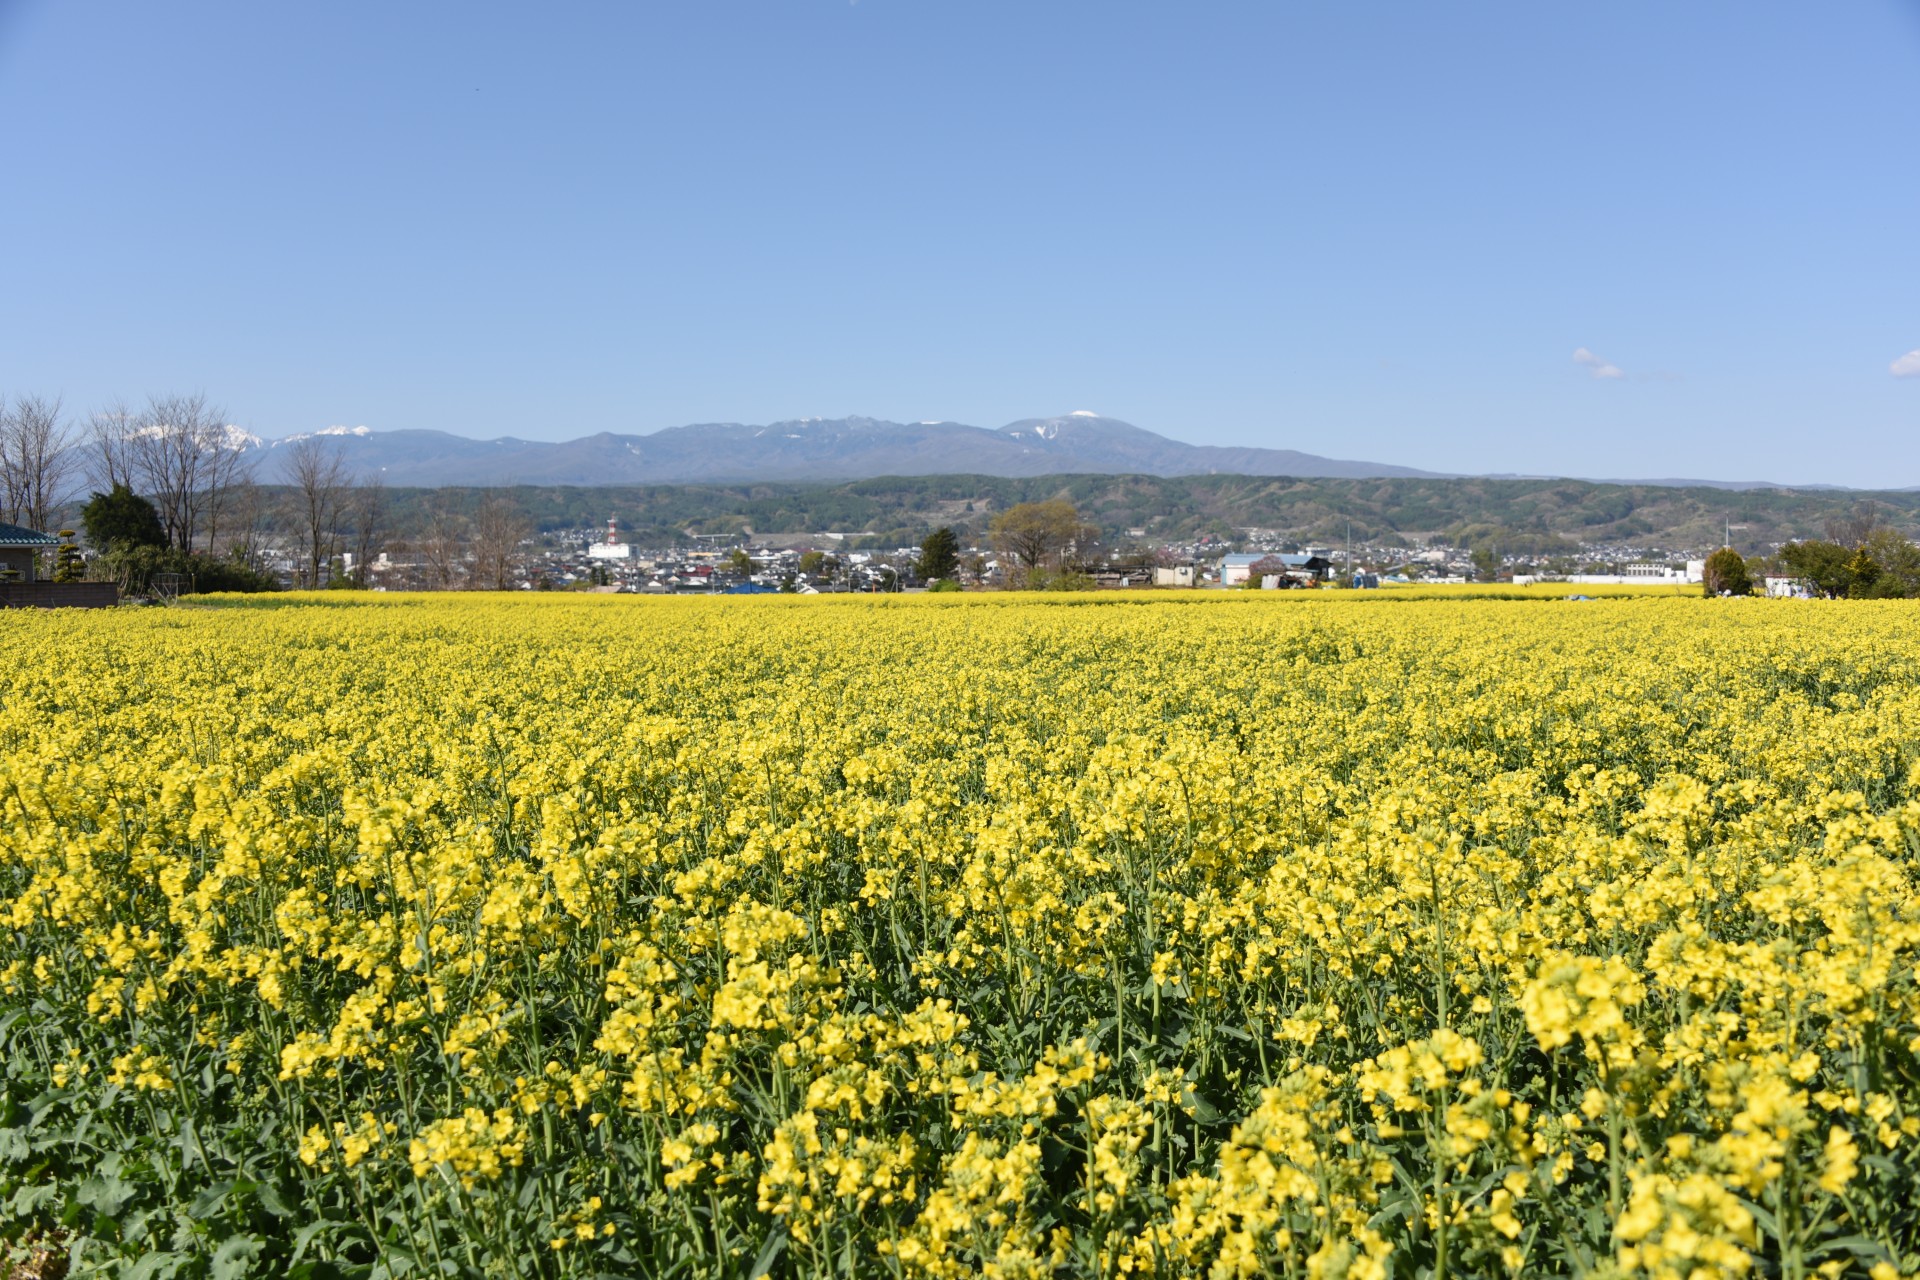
612, 548
1303, 567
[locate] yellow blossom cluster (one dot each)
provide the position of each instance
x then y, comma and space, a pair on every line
1159, 935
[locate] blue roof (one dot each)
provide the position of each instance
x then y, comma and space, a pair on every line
12, 535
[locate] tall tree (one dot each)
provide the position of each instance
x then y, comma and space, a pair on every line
37, 460
499, 527
1896, 564
369, 525
121, 518
1821, 565
1726, 574
109, 429
179, 452
250, 513
319, 477
1852, 529
939, 555
1032, 533
443, 544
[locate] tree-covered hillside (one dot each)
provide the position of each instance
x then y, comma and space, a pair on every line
1520, 514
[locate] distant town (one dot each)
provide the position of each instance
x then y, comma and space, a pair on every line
605, 560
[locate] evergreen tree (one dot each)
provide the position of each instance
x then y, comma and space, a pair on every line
1823, 565
68, 564
122, 518
1726, 574
939, 555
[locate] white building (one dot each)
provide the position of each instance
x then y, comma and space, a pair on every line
1180, 575
1235, 569
1640, 574
612, 548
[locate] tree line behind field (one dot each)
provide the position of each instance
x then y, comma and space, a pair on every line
1857, 559
169, 490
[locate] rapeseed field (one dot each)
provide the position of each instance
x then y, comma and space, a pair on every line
1220, 935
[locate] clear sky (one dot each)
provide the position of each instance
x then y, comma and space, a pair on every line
1361, 229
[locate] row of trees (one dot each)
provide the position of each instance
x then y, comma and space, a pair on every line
176, 489
1040, 544
1857, 560
1880, 565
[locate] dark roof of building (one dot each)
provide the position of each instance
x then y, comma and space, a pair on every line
12, 535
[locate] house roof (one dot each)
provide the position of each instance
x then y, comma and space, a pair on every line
1294, 561
12, 535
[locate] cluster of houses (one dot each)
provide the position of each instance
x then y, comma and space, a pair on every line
816, 563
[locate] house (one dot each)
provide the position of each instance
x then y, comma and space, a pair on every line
1237, 569
20, 552
22, 587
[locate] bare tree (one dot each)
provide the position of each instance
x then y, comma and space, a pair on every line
250, 514
229, 472
443, 544
369, 512
319, 477
37, 460
499, 527
1853, 528
109, 466
164, 448
182, 456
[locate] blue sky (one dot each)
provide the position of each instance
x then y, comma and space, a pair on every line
1361, 229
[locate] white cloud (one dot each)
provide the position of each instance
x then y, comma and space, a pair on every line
1600, 368
1907, 366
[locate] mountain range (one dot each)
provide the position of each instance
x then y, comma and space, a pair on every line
812, 449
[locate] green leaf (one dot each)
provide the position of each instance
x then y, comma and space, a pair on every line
273, 1202
304, 1236
106, 1196
158, 1266
768, 1252
1859, 1246
233, 1260
210, 1200
319, 1270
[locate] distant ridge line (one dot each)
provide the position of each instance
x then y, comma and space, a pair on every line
814, 450
836, 450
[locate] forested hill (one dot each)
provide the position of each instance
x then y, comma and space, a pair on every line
1520, 514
